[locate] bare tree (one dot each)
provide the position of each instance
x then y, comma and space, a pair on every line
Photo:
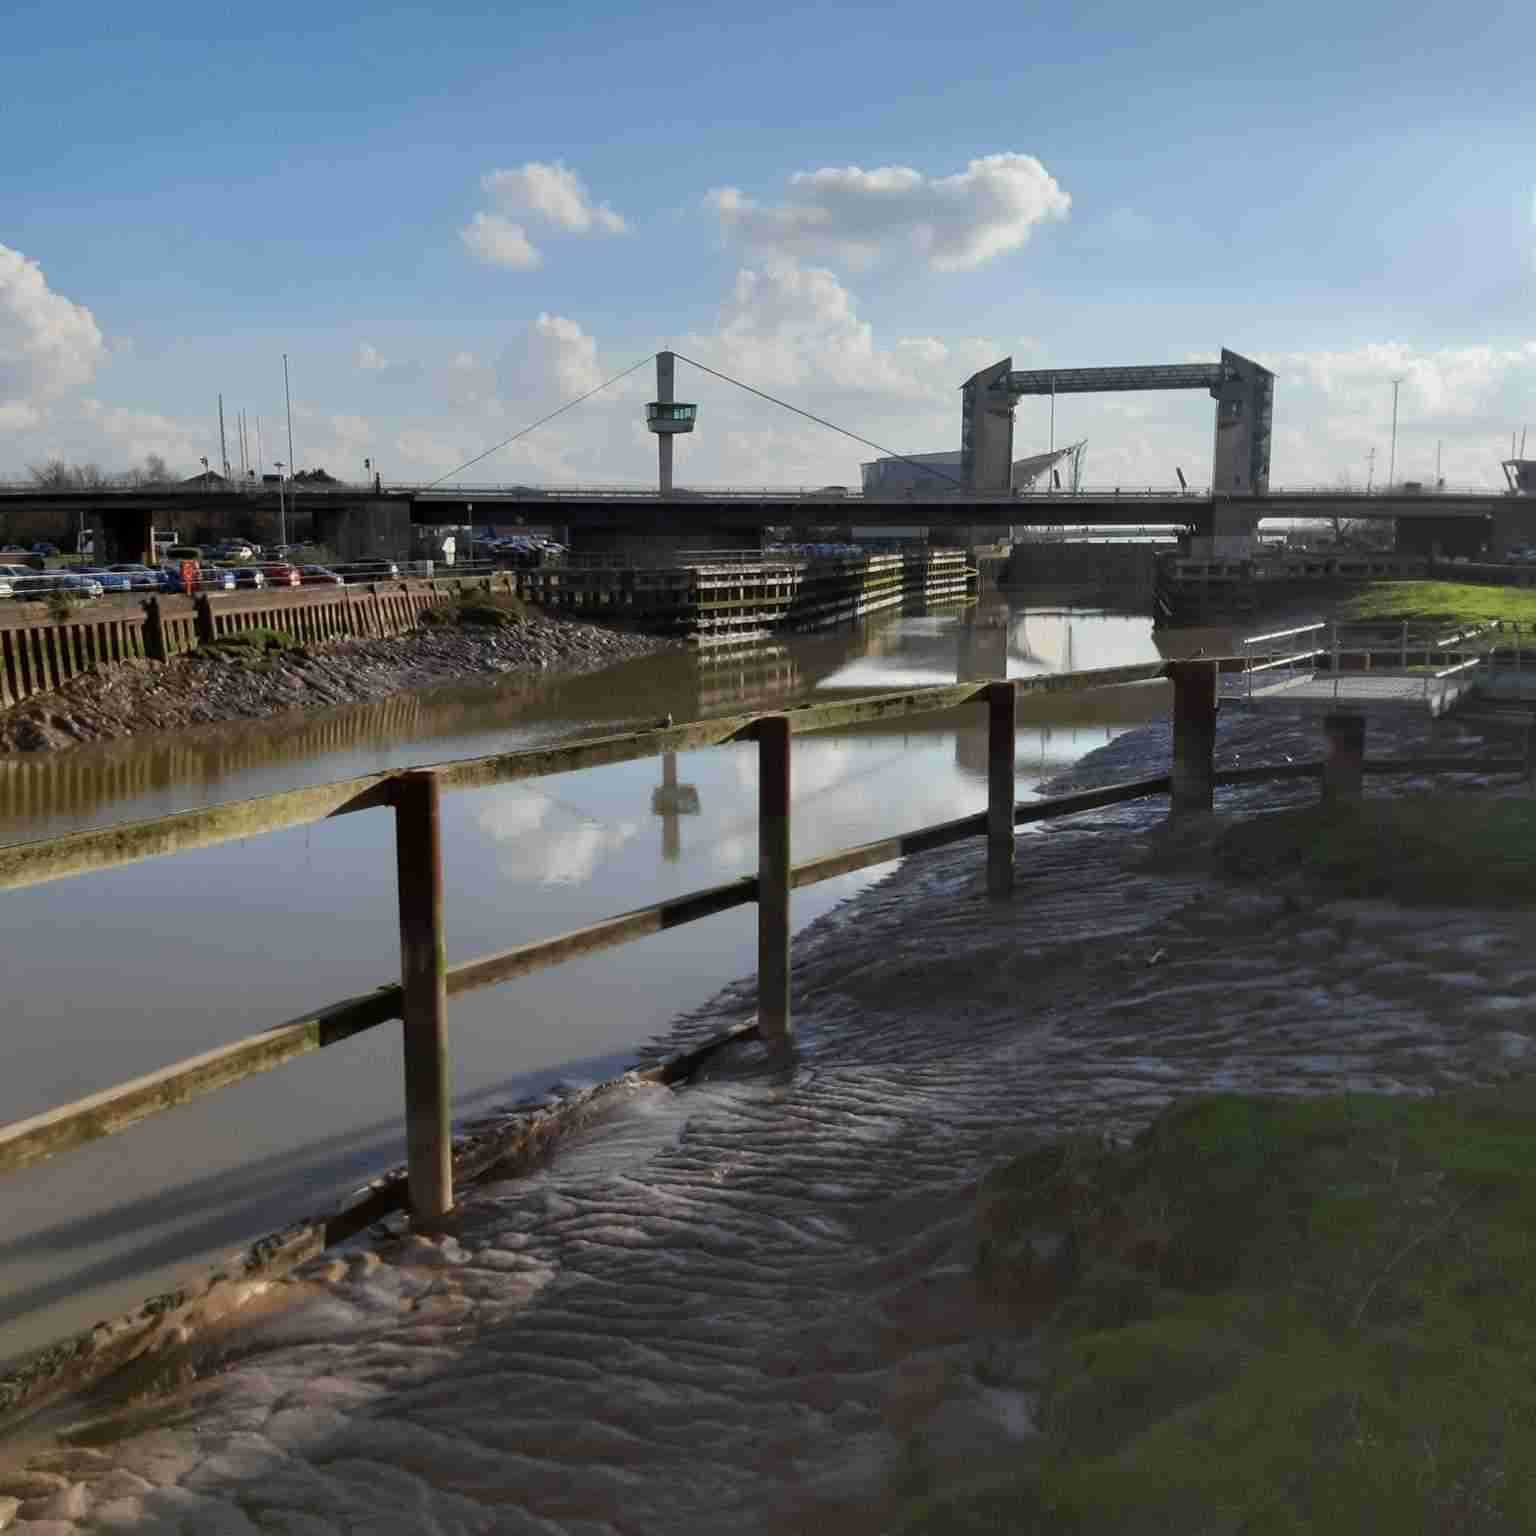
52, 475
156, 471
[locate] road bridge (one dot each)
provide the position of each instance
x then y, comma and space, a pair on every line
359, 521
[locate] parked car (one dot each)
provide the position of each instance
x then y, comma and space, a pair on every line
209, 577
12, 571
111, 581
236, 549
45, 549
247, 577
35, 589
369, 570
320, 576
140, 577
279, 573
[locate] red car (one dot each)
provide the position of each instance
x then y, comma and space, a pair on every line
280, 574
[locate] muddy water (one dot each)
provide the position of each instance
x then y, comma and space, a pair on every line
111, 975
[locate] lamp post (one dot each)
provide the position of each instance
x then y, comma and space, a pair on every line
1392, 457
282, 517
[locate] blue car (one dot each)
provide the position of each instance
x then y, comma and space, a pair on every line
111, 581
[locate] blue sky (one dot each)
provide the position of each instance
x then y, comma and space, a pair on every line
452, 220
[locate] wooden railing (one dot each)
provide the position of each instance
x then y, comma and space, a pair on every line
427, 981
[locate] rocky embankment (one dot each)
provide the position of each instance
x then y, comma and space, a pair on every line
219, 684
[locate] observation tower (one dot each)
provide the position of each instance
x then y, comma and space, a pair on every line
667, 417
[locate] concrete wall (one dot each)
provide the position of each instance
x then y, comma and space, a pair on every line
986, 429
1245, 409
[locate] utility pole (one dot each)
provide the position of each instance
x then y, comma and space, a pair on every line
1392, 460
1370, 473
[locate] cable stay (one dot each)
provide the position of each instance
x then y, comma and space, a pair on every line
823, 422
535, 425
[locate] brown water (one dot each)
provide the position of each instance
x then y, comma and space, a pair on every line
111, 975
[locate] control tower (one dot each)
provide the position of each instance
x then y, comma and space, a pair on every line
667, 417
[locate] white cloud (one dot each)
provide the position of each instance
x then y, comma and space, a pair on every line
499, 243
49, 346
550, 193
949, 223
560, 350
130, 436
553, 193
371, 360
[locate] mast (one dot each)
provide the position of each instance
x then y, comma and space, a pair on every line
223, 444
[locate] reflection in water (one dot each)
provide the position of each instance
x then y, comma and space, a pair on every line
126, 970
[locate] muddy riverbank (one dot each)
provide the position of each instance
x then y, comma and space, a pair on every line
239, 683
753, 1302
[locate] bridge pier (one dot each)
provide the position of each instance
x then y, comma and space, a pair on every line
1225, 531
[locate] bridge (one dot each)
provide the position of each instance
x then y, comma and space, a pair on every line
359, 521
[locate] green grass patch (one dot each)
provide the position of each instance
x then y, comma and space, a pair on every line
1449, 602
1436, 850
256, 641
477, 609
1289, 1316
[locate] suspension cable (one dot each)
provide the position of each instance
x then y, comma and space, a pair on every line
822, 421
533, 426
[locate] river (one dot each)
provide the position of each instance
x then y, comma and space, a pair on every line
111, 975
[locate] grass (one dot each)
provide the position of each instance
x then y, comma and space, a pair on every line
477, 609
1440, 850
258, 640
1291, 1318
1441, 602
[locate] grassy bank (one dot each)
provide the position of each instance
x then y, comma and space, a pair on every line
1437, 850
1441, 601
1281, 1316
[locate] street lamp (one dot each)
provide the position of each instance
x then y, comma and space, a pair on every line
282, 516
1392, 458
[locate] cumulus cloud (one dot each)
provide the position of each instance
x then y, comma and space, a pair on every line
49, 345
550, 194
553, 193
949, 223
130, 436
498, 242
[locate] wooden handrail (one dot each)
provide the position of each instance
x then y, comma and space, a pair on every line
429, 980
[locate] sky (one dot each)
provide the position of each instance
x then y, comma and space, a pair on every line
455, 220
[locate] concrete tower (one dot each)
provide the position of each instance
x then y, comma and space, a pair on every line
666, 417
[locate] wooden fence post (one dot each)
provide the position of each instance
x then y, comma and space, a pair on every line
773, 741
203, 619
1193, 770
154, 630
1343, 767
424, 988
1002, 734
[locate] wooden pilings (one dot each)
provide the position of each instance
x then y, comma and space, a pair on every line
1344, 765
1193, 771
1002, 743
773, 880
424, 996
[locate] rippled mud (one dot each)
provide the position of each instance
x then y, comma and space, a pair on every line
748, 1304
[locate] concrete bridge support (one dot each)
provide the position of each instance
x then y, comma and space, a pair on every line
1227, 531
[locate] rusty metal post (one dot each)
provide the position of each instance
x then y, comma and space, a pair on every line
1002, 741
1193, 770
1343, 767
773, 739
423, 982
